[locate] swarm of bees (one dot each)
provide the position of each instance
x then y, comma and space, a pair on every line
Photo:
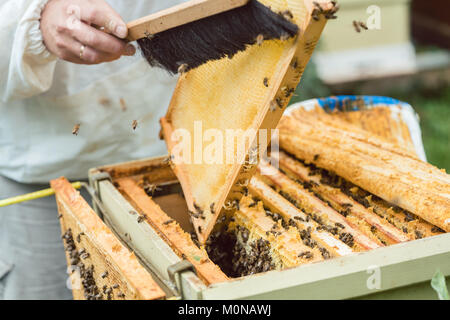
237, 254
89, 285
358, 25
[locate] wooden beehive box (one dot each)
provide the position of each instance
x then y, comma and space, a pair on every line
143, 209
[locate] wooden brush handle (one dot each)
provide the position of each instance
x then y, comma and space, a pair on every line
179, 15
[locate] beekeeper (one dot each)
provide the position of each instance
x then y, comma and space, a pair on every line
59, 69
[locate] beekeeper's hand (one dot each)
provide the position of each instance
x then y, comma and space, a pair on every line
70, 29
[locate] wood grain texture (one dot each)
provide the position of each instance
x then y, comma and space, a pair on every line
384, 121
171, 232
114, 266
230, 94
179, 15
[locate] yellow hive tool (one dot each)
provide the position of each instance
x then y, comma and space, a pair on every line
33, 195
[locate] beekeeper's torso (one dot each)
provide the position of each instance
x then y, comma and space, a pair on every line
42, 99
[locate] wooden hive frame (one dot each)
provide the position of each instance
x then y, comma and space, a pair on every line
229, 93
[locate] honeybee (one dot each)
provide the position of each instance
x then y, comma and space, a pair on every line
273, 106
104, 102
356, 26
259, 39
168, 222
247, 167
134, 124
123, 105
285, 36
266, 82
229, 205
318, 6
148, 35
183, 68
75, 129
79, 236
150, 189
279, 102
287, 15
315, 15
236, 204
243, 183
169, 160
197, 207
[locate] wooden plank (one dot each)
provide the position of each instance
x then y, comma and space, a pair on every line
179, 15
106, 268
233, 94
171, 231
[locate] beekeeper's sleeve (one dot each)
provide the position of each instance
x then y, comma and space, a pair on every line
26, 65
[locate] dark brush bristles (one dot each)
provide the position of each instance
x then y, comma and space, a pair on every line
216, 37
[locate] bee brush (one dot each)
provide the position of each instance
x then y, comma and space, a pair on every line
186, 36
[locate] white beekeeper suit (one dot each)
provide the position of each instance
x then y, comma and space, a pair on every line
41, 99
